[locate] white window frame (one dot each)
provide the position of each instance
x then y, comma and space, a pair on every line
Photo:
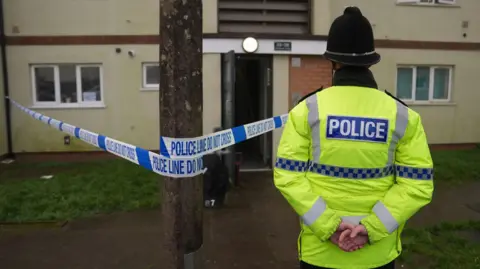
56, 75
145, 85
433, 3
447, 2
430, 85
408, 1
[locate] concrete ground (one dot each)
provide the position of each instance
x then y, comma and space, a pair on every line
257, 229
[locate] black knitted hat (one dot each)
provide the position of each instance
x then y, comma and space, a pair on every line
350, 40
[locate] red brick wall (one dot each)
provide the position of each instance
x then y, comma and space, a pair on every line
313, 73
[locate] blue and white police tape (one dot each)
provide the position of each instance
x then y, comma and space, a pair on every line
186, 148
147, 159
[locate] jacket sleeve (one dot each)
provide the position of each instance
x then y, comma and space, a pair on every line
290, 175
413, 188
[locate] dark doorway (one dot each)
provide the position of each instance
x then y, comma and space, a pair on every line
253, 102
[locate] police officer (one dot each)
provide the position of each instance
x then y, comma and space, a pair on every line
353, 161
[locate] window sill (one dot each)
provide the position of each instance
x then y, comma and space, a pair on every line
428, 5
149, 89
433, 103
69, 106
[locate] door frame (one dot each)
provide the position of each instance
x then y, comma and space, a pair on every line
228, 67
266, 65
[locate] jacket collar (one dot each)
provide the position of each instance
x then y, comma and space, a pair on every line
354, 76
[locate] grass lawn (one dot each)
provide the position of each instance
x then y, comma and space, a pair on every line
82, 189
457, 166
76, 190
445, 246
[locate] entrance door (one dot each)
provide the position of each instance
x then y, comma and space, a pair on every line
253, 103
228, 106
247, 98
266, 107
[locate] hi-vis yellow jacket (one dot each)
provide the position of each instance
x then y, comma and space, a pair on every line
353, 154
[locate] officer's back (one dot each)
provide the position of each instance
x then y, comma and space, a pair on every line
351, 111
353, 158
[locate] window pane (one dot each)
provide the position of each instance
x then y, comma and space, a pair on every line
423, 82
68, 83
153, 75
441, 83
404, 83
45, 84
90, 84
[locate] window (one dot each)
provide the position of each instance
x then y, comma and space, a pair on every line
428, 2
424, 83
151, 76
67, 85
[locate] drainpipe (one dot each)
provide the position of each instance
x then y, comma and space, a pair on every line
3, 53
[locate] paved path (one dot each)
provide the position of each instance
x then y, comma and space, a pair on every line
257, 230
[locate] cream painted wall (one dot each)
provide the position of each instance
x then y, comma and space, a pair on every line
73, 17
130, 114
3, 129
210, 16
123, 17
456, 122
280, 96
321, 17
428, 23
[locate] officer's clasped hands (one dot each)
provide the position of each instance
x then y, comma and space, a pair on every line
349, 237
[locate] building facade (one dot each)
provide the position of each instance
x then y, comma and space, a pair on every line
94, 64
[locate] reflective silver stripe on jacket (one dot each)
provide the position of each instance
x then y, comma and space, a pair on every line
314, 212
314, 122
401, 123
385, 217
353, 219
